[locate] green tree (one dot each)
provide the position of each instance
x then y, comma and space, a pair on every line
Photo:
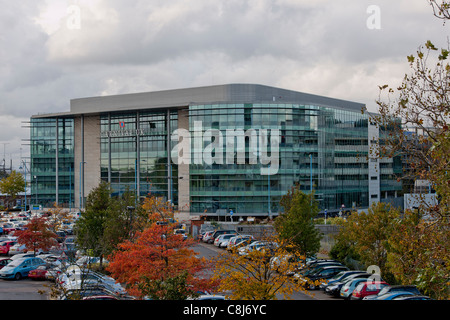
92, 223
12, 185
418, 254
296, 224
124, 219
367, 234
108, 221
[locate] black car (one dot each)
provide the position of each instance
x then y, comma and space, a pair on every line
313, 269
334, 289
324, 273
340, 277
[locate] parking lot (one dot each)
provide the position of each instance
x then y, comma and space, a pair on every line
25, 289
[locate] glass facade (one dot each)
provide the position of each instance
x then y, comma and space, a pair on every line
325, 146
321, 149
52, 158
134, 153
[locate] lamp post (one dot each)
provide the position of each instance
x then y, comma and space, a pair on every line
25, 174
36, 178
268, 197
310, 173
82, 184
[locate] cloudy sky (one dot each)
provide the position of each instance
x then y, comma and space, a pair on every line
52, 51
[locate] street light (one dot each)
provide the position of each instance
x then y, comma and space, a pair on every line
25, 174
82, 184
36, 178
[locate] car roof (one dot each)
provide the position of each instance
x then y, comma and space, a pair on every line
332, 267
26, 258
397, 293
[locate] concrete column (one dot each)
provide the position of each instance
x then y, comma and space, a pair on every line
183, 173
87, 152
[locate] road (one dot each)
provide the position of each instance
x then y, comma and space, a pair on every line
209, 251
25, 289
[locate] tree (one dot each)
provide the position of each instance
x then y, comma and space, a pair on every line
297, 224
416, 126
91, 225
124, 219
37, 235
12, 185
158, 262
368, 234
418, 254
414, 119
108, 221
260, 274
441, 10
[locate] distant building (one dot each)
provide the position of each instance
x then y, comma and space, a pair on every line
320, 143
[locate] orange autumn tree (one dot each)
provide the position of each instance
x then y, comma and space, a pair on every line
158, 263
36, 235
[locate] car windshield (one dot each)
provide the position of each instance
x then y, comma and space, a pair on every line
337, 276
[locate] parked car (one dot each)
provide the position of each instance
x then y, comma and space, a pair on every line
314, 268
69, 247
413, 297
290, 261
76, 279
218, 233
367, 288
4, 262
324, 273
339, 277
222, 238
240, 241
101, 297
182, 232
211, 297
8, 228
40, 272
334, 289
28, 254
348, 287
392, 295
17, 248
390, 289
85, 260
20, 268
318, 263
257, 245
86, 292
207, 236
312, 262
54, 272
5, 246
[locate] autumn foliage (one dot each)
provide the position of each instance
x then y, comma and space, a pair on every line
158, 263
36, 235
264, 274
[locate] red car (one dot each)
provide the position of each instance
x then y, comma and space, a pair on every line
4, 262
38, 273
367, 288
5, 245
